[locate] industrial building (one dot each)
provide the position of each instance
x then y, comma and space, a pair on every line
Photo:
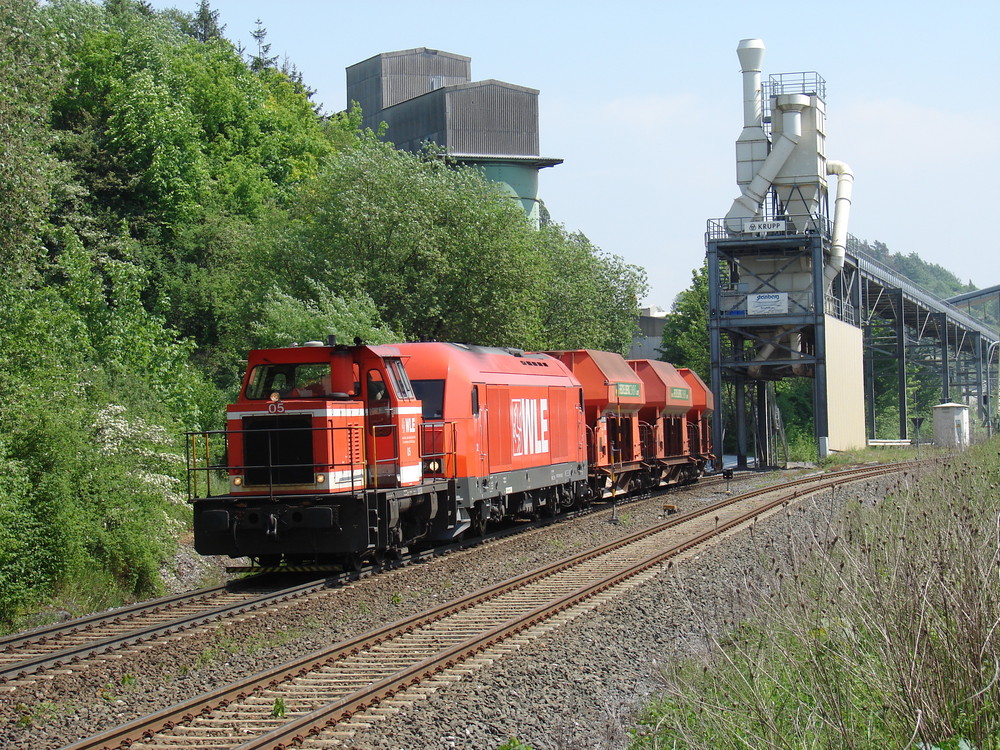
428, 96
792, 295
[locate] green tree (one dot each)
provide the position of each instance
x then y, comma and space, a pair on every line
30, 73
685, 331
444, 254
586, 298
434, 247
205, 23
285, 320
570, 288
930, 276
263, 58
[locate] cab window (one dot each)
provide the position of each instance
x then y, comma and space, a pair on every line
398, 377
293, 380
377, 391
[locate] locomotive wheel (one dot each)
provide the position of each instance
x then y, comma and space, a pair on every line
352, 562
478, 527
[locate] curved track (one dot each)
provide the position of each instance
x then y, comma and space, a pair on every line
68, 644
294, 703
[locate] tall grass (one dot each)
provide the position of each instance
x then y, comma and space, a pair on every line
882, 634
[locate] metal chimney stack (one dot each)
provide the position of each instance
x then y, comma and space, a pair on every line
752, 146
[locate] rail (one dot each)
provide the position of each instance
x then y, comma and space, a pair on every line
333, 684
71, 643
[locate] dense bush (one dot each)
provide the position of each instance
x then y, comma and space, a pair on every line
165, 205
88, 481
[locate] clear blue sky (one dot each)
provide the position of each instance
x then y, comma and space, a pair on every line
643, 101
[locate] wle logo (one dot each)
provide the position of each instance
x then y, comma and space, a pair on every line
529, 422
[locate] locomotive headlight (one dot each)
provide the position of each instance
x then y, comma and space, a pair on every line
320, 478
237, 481
433, 466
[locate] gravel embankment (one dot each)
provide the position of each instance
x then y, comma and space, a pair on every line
581, 687
576, 689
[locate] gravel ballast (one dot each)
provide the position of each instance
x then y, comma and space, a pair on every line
577, 688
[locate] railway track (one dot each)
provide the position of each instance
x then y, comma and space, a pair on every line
305, 701
68, 644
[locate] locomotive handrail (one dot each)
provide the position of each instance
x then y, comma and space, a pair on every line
200, 462
447, 455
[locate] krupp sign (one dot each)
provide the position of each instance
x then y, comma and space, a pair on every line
768, 303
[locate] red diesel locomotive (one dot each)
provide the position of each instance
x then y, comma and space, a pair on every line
336, 454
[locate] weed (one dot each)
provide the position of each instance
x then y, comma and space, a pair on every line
278, 709
311, 623
23, 720
208, 656
880, 634
39, 716
514, 744
397, 598
253, 644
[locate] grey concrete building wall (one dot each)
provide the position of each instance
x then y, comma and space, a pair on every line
390, 78
492, 117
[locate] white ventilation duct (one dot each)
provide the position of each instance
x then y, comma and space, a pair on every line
841, 215
792, 163
751, 54
747, 205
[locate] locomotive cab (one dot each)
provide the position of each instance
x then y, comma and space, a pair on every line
323, 419
320, 457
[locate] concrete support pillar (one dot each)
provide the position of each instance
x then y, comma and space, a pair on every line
822, 417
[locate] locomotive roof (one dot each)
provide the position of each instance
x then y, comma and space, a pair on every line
316, 352
483, 364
